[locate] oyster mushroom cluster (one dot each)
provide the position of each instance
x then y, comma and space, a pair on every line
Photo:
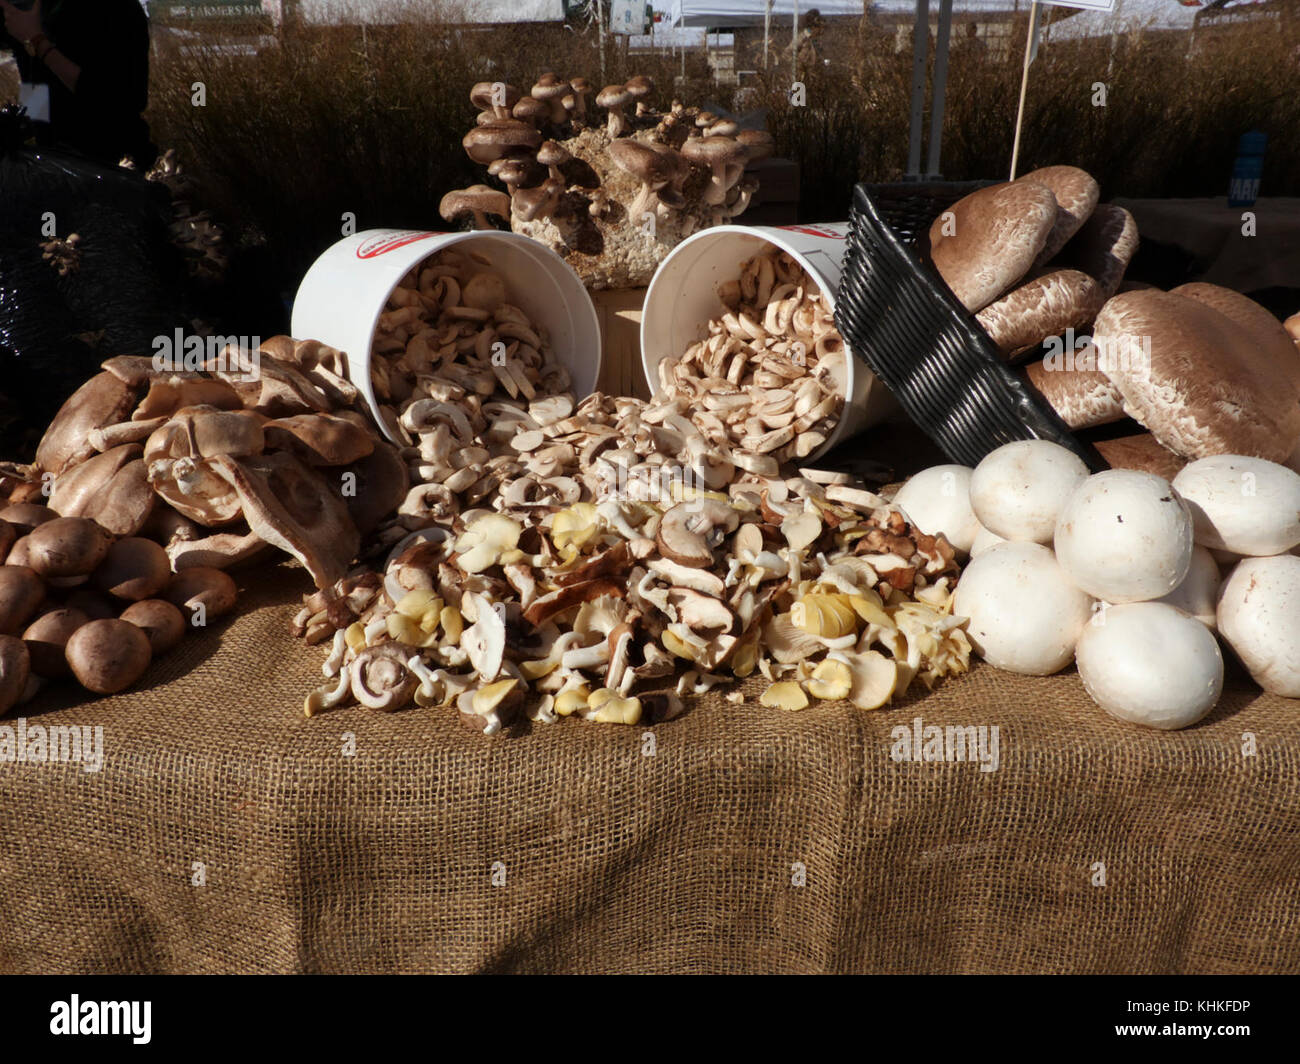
769, 378
611, 193
200, 240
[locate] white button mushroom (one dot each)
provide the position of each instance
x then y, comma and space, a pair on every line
1018, 490
1125, 536
1245, 505
1198, 594
1025, 615
1150, 663
938, 500
1259, 616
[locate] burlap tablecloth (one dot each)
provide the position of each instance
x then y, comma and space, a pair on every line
571, 848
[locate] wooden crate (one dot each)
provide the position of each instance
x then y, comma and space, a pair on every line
619, 311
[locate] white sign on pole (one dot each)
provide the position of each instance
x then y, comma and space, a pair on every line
627, 17
1088, 5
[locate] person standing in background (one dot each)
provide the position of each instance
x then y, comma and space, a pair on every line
84, 66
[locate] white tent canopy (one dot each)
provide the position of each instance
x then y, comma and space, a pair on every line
1128, 16
463, 12
752, 12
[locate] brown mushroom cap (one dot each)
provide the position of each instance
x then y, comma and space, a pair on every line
19, 552
320, 439
1081, 394
162, 623
7, 536
642, 161
1291, 325
67, 546
996, 234
501, 137
48, 635
133, 569
552, 154
211, 588
103, 400
531, 110
612, 96
1045, 306
1209, 389
1143, 452
382, 483
15, 667
477, 200
540, 202
1104, 246
109, 655
1076, 195
1266, 331
24, 516
21, 592
111, 489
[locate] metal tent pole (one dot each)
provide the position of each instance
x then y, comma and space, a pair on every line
940, 87
920, 48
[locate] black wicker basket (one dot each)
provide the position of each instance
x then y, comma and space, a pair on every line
899, 317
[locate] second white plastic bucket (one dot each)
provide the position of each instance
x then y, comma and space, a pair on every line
683, 298
345, 290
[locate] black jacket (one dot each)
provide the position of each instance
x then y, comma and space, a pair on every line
109, 41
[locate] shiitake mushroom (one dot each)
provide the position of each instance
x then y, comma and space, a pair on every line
109, 655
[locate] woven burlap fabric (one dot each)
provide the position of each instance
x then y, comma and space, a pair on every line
609, 860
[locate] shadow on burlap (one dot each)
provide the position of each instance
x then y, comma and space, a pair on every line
574, 848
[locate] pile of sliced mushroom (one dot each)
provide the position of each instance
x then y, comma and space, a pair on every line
767, 380
559, 559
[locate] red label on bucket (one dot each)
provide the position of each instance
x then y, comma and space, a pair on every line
813, 230
381, 245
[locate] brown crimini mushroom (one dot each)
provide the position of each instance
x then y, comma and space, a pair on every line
15, 667
24, 516
478, 201
67, 547
202, 586
109, 655
7, 536
48, 635
614, 98
21, 592
162, 623
133, 569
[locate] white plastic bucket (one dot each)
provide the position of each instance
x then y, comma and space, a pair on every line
682, 299
345, 290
